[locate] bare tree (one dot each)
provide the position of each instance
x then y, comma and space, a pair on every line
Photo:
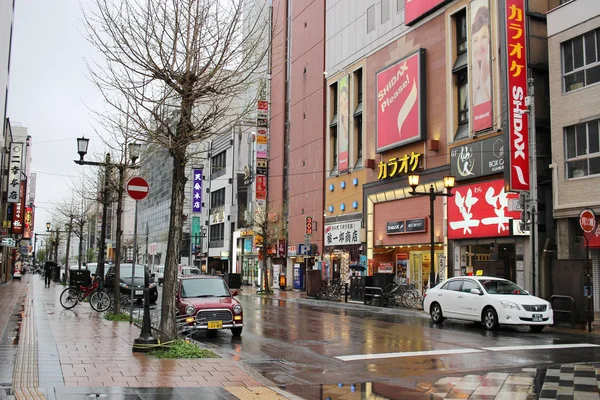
179, 69
269, 223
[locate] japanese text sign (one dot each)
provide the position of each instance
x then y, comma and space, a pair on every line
14, 172
472, 160
480, 210
197, 191
401, 102
518, 171
28, 223
262, 141
18, 211
396, 165
342, 233
261, 187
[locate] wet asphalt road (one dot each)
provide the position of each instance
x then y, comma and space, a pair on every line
296, 344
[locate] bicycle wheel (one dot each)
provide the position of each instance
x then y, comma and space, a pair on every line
100, 301
68, 298
409, 299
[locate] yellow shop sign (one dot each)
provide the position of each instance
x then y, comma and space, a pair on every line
396, 165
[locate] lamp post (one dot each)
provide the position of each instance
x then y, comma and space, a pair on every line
413, 181
134, 153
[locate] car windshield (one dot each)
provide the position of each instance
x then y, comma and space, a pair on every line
502, 287
126, 271
190, 271
203, 288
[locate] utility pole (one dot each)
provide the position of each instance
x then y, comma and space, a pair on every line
537, 289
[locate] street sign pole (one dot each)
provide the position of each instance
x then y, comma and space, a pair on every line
587, 222
138, 189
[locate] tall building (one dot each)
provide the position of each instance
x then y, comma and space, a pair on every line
296, 148
6, 30
574, 64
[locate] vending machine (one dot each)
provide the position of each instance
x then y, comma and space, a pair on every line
298, 276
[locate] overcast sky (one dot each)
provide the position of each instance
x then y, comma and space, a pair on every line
50, 93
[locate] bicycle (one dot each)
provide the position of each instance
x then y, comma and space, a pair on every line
334, 290
99, 300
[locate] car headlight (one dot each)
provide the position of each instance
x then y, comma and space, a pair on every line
549, 306
124, 285
237, 309
509, 304
190, 310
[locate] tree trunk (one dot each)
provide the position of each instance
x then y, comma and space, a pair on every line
68, 251
168, 325
80, 245
119, 234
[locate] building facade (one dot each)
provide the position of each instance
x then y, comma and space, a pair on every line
574, 64
296, 148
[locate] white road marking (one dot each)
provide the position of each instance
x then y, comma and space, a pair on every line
408, 354
541, 347
377, 356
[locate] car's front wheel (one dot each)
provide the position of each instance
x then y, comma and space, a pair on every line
490, 319
436, 313
536, 328
236, 331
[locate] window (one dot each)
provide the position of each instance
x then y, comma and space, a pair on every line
217, 198
461, 31
334, 149
463, 96
217, 232
468, 285
581, 61
217, 165
359, 83
359, 139
358, 125
385, 11
399, 5
582, 148
453, 285
371, 19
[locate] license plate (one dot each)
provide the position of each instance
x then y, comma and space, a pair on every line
215, 324
139, 292
537, 318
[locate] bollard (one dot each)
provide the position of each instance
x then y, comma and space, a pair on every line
345, 292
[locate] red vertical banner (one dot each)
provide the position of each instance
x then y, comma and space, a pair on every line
481, 70
261, 187
518, 126
28, 223
18, 211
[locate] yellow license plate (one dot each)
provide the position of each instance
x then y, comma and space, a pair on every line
215, 324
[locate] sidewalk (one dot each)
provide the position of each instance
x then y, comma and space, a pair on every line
70, 354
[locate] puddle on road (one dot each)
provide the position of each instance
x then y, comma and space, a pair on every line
357, 391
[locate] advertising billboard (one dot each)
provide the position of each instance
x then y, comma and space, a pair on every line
342, 123
481, 70
481, 158
518, 127
480, 210
401, 102
414, 10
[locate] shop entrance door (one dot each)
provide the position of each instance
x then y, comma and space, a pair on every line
417, 275
336, 268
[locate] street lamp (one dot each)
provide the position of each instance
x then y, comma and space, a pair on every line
413, 181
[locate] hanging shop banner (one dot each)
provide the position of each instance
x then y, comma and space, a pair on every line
396, 165
32, 184
401, 102
481, 70
472, 160
14, 172
518, 135
415, 10
261, 143
28, 223
19, 210
261, 187
342, 124
197, 191
480, 210
262, 109
342, 233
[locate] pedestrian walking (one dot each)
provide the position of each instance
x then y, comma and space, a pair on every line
47, 274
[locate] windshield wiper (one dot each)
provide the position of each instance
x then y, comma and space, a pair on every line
205, 295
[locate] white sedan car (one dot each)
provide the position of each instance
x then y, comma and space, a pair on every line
492, 301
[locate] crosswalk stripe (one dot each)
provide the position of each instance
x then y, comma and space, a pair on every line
377, 356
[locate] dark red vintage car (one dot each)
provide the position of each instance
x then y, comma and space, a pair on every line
205, 302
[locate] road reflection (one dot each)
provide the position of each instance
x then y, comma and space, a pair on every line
356, 391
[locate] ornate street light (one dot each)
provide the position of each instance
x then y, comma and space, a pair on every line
413, 182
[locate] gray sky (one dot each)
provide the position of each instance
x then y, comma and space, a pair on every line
49, 93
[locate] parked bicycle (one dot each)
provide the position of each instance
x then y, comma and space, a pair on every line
99, 299
330, 290
405, 295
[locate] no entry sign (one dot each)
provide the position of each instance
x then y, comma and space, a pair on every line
587, 220
138, 188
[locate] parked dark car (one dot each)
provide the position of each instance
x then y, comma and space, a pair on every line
125, 282
208, 304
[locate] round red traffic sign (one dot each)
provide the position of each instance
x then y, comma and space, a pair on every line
138, 188
587, 220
